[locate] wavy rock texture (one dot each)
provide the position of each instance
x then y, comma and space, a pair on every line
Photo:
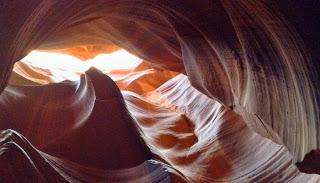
197, 137
72, 147
255, 63
208, 142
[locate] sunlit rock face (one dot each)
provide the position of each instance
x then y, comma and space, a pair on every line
244, 109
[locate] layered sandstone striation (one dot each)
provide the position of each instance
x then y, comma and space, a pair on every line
245, 109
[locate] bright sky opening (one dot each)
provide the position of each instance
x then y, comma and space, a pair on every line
118, 60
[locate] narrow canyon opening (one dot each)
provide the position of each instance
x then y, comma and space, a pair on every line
159, 91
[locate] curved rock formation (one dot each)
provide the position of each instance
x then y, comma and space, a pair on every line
252, 110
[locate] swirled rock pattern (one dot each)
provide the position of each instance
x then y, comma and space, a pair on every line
208, 142
259, 59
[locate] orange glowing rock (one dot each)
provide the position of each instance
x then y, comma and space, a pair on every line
220, 91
